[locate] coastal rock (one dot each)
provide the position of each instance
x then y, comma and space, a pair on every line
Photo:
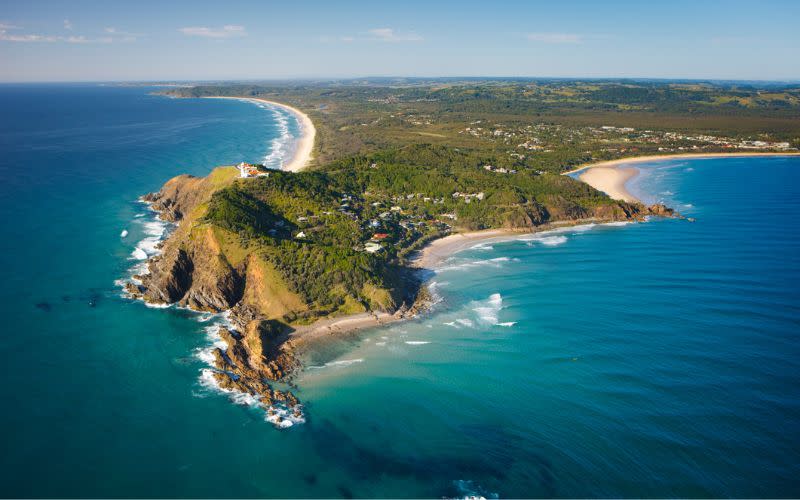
661, 210
177, 197
134, 290
169, 279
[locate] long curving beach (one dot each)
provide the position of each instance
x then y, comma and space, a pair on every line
612, 176
305, 143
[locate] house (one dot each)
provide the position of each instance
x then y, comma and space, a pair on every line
300, 235
372, 247
379, 236
247, 170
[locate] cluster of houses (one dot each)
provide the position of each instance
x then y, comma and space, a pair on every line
499, 170
388, 224
251, 170
543, 137
468, 197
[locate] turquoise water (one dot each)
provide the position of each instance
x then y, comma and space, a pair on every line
657, 359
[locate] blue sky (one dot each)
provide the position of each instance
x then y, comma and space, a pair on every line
143, 40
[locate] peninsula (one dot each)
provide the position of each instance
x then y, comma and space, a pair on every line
403, 176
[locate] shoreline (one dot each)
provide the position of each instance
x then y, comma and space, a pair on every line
305, 143
432, 255
642, 159
612, 181
611, 176
341, 325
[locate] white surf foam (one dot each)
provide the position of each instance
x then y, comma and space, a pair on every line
507, 323
417, 342
467, 489
552, 241
338, 363
155, 231
139, 254
157, 306
281, 147
489, 310
283, 418
483, 246
465, 322
495, 262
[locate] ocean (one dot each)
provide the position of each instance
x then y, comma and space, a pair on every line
652, 359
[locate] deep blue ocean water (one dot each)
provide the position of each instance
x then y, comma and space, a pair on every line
655, 359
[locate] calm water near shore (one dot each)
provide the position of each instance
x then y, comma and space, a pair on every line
656, 359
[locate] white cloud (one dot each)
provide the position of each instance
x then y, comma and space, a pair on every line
555, 38
5, 36
227, 31
389, 35
67, 25
375, 34
122, 36
83, 39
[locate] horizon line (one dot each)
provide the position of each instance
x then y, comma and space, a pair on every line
397, 77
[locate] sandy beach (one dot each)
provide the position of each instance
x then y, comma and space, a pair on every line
305, 144
611, 178
341, 325
438, 250
611, 181
434, 253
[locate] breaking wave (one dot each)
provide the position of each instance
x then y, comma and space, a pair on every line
155, 231
552, 241
496, 262
278, 415
339, 363
489, 310
483, 246
466, 488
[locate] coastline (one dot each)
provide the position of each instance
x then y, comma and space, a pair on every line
612, 181
305, 143
610, 178
432, 255
342, 324
236, 371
